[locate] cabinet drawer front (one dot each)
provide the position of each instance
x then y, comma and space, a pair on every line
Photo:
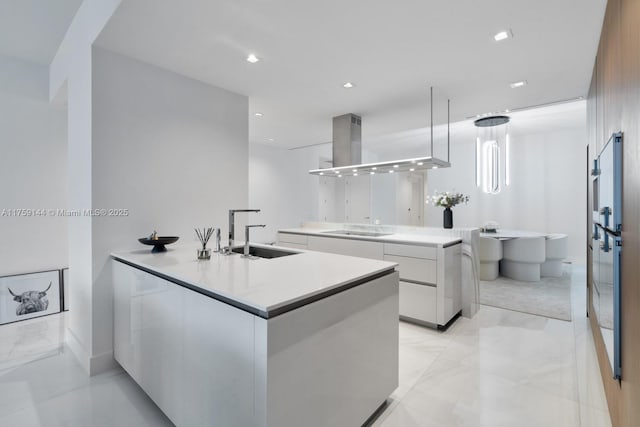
426, 252
291, 245
359, 248
420, 270
299, 239
418, 302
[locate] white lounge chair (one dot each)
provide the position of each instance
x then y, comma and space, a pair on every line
490, 256
522, 257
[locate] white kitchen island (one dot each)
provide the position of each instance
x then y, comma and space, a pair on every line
430, 266
307, 339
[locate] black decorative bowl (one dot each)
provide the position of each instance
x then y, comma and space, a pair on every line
158, 244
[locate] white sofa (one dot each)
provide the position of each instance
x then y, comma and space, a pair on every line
522, 257
490, 250
555, 252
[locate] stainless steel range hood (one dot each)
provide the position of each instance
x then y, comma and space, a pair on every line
347, 140
347, 151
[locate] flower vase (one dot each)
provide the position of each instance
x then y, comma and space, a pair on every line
447, 218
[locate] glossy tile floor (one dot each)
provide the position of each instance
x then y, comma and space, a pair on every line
501, 368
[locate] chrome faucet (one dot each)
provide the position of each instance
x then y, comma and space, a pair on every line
232, 212
246, 238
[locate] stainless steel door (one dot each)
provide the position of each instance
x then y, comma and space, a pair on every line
595, 267
608, 291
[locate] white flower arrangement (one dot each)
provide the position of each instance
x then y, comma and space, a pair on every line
448, 199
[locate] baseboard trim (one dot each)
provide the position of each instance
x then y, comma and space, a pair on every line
78, 351
92, 365
102, 363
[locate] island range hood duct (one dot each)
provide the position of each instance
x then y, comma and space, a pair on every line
347, 151
347, 140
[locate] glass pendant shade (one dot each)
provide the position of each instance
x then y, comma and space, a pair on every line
492, 153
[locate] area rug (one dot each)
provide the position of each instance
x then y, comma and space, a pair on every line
551, 297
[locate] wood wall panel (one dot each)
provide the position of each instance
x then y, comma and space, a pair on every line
630, 75
617, 105
591, 151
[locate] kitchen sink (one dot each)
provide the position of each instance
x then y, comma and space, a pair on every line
262, 252
358, 233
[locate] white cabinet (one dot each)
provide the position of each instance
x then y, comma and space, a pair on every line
418, 301
182, 348
414, 251
430, 281
359, 248
449, 283
430, 275
332, 362
291, 240
415, 269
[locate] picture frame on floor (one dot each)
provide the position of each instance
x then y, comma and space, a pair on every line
25, 296
64, 277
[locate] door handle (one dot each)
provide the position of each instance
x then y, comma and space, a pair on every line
606, 211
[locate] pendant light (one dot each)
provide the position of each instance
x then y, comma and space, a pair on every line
492, 153
347, 150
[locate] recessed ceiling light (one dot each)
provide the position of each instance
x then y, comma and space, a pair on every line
348, 85
321, 173
374, 168
420, 163
258, 114
270, 139
435, 167
411, 170
337, 171
395, 166
503, 35
372, 173
339, 176
252, 58
518, 84
355, 174
391, 171
355, 170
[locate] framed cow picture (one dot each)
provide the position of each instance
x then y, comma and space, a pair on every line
65, 289
26, 296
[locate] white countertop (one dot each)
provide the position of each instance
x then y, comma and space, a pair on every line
503, 233
400, 238
261, 286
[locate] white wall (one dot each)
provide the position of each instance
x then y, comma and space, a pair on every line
279, 185
171, 150
33, 146
547, 191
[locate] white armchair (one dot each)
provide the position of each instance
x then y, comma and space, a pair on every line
490, 255
555, 252
522, 258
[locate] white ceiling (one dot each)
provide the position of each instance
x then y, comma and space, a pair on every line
392, 50
549, 120
32, 30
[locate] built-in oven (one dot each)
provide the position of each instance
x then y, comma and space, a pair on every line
595, 269
607, 246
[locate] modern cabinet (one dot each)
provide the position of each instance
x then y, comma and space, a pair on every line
359, 248
329, 362
294, 241
430, 274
